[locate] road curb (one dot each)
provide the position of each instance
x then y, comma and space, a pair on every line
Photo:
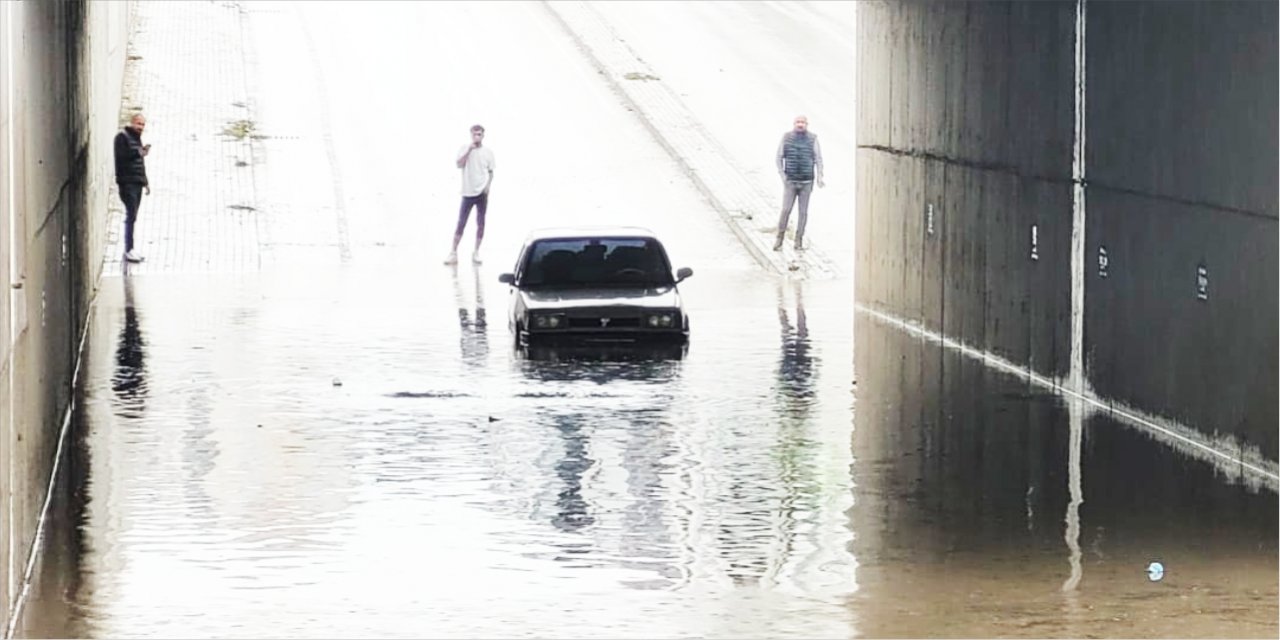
750, 214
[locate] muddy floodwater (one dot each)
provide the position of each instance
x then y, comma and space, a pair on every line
259, 457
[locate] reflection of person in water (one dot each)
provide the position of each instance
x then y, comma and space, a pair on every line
129, 382
796, 366
474, 340
759, 544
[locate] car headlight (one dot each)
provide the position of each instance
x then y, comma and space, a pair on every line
549, 321
660, 320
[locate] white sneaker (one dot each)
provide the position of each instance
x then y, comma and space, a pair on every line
452, 259
475, 258
132, 256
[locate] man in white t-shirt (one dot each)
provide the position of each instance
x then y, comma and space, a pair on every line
476, 162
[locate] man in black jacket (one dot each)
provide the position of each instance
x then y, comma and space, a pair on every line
131, 177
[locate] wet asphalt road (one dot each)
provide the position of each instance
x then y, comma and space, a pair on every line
345, 444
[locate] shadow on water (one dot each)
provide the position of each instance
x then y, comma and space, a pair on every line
987, 508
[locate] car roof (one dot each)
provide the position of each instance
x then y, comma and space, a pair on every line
589, 232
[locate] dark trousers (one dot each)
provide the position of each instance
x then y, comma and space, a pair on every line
131, 196
792, 191
481, 204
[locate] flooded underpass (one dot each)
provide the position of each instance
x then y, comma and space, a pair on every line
293, 421
265, 457
295, 460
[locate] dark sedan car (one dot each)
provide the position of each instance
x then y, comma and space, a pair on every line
595, 286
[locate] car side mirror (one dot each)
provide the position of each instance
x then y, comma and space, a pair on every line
682, 273
507, 278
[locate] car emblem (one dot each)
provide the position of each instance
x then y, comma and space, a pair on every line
604, 322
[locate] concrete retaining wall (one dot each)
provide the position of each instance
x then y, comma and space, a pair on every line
965, 133
966, 139
60, 95
1182, 166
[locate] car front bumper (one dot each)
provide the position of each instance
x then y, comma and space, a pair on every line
607, 324
605, 336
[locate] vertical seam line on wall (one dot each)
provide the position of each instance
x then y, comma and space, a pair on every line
1076, 374
78, 92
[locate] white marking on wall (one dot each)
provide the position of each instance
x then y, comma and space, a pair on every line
1225, 455
1075, 416
1076, 374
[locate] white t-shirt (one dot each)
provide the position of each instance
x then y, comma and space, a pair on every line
475, 174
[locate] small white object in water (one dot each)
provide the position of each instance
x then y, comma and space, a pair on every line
1155, 571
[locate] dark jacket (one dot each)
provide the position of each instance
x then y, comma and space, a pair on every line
130, 164
799, 156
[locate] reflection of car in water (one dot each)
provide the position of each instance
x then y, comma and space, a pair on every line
595, 286
606, 352
549, 364
573, 511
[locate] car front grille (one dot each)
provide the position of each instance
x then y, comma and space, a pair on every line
603, 323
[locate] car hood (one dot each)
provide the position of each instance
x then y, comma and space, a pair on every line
656, 297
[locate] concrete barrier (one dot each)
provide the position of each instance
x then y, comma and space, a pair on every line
60, 96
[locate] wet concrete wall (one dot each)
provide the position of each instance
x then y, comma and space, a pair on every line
966, 132
60, 93
965, 138
1182, 173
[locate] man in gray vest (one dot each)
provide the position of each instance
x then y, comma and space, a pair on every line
799, 161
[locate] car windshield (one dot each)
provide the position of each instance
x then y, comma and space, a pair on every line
587, 262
